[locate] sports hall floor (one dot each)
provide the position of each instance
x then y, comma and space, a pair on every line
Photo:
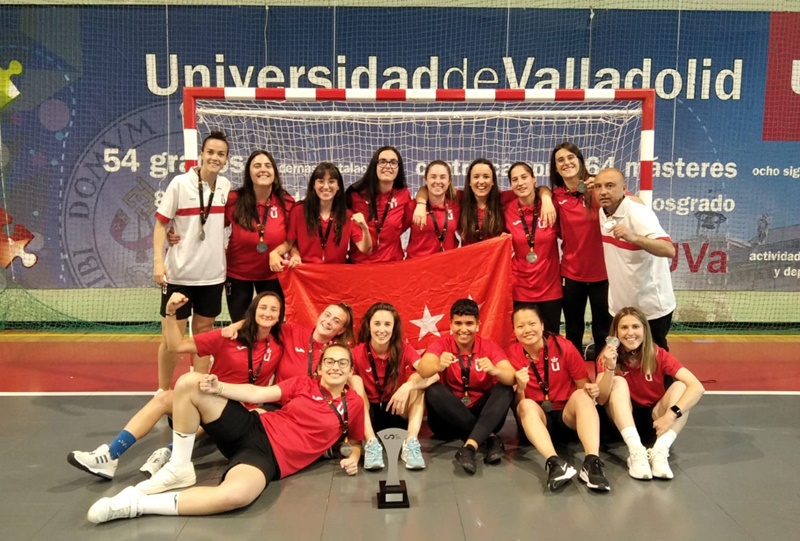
736, 463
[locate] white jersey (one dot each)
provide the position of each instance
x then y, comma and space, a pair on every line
636, 277
192, 261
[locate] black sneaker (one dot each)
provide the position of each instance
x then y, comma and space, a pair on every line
593, 475
495, 450
558, 473
466, 459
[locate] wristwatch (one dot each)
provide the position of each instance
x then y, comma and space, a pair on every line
677, 411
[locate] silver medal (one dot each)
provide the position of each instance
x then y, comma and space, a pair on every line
531, 257
261, 247
581, 187
202, 234
547, 406
609, 224
346, 449
465, 400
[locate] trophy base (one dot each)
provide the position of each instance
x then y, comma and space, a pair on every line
393, 496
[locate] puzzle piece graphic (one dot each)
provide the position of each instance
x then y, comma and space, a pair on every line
8, 91
14, 245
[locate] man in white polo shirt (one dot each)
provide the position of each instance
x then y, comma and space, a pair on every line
194, 205
637, 252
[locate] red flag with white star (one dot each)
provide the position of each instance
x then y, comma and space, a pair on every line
422, 290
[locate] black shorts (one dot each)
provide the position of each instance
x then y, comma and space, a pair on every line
382, 419
559, 431
556, 427
642, 419
205, 301
241, 438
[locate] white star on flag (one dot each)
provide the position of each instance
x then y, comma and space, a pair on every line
427, 324
480, 306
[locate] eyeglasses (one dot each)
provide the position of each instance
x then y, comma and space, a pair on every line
392, 164
328, 362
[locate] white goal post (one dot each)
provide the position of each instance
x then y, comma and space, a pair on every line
303, 126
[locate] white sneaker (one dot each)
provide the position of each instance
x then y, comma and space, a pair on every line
411, 454
659, 464
123, 505
638, 465
373, 455
168, 478
156, 461
97, 462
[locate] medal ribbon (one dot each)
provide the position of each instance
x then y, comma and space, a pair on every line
323, 239
530, 235
544, 384
465, 370
381, 388
253, 377
379, 223
262, 223
439, 234
344, 421
204, 212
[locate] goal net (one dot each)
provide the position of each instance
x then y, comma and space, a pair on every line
302, 127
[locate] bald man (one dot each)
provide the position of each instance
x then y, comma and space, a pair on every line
637, 252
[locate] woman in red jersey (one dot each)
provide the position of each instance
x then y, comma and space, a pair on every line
535, 265
386, 365
382, 196
442, 208
648, 395
321, 228
260, 446
555, 399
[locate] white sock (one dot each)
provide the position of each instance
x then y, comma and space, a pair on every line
182, 445
631, 438
159, 504
665, 440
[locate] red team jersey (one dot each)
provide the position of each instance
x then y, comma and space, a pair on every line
479, 381
310, 246
397, 221
305, 427
647, 390
566, 367
244, 261
364, 369
582, 256
230, 358
294, 363
533, 282
423, 242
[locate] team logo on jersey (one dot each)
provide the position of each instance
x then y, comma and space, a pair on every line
299, 350
648, 378
450, 214
555, 366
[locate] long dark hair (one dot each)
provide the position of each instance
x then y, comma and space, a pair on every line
493, 221
368, 184
245, 214
536, 201
556, 180
311, 203
249, 332
533, 307
395, 342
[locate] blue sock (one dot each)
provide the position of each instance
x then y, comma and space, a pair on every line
121, 443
